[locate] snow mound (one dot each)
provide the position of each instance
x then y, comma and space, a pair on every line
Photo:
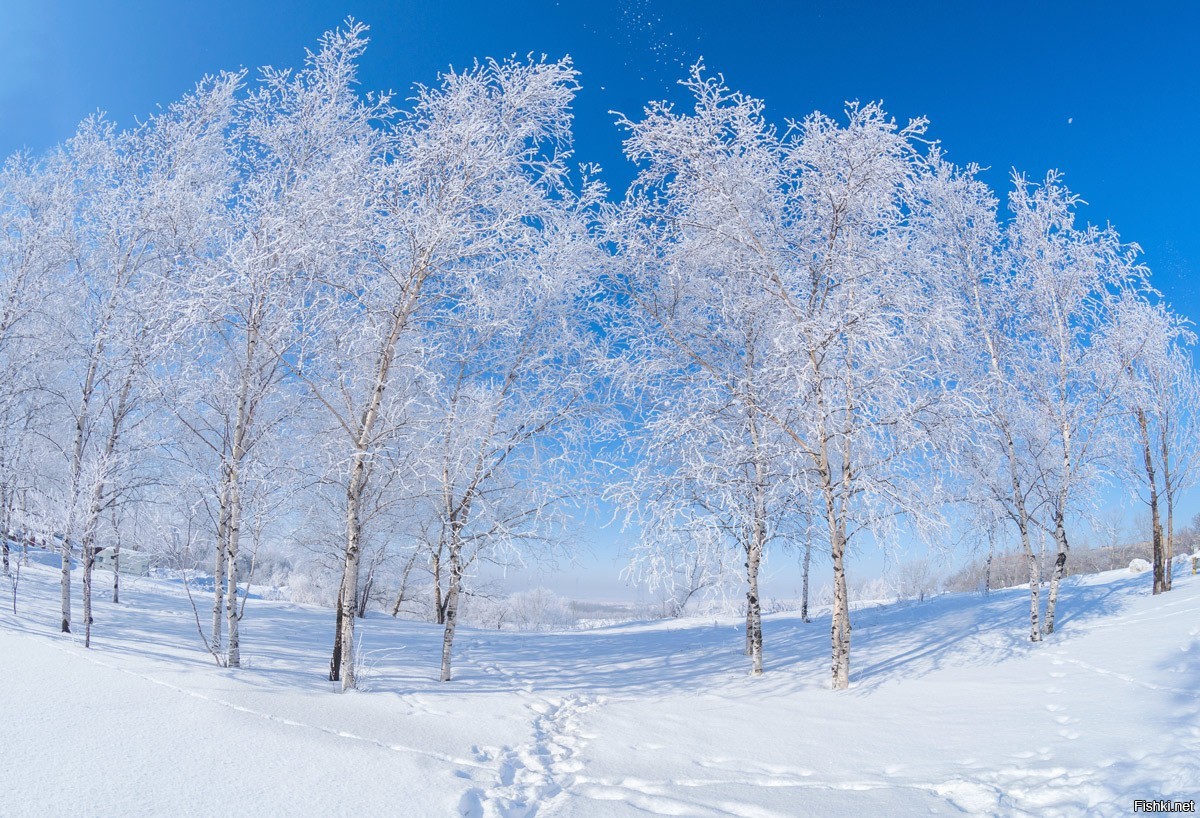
1138, 566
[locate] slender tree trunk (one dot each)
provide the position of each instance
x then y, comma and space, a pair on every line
452, 594
364, 597
218, 610
1160, 583
841, 618
233, 485
804, 594
439, 606
95, 507
757, 539
1035, 588
1060, 566
348, 598
1169, 492
987, 570
65, 585
840, 625
233, 654
357, 486
6, 508
117, 572
748, 650
4, 532
402, 594
81, 423
1169, 545
335, 660
754, 606
1021, 517
89, 562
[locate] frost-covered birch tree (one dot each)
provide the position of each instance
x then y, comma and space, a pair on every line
863, 332
1148, 352
808, 238
707, 468
511, 353
1069, 276
416, 209
244, 293
1000, 447
124, 208
28, 260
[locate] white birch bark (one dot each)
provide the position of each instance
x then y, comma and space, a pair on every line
804, 590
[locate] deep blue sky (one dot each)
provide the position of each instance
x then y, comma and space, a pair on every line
1107, 92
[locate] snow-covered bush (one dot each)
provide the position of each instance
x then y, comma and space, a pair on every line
914, 580
539, 610
312, 583
1138, 566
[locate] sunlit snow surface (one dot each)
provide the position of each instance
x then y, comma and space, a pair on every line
950, 711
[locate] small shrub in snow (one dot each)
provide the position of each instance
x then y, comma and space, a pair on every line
540, 609
1138, 566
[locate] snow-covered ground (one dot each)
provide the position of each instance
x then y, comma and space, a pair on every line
950, 711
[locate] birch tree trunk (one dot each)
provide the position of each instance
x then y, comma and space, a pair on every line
1169, 490
1021, 515
1060, 566
89, 564
233, 655
1160, 584
452, 593
841, 617
218, 610
348, 596
402, 594
364, 596
755, 610
117, 570
356, 488
89, 560
92, 521
840, 626
81, 426
1169, 544
804, 592
335, 660
233, 492
1035, 584
987, 571
439, 607
6, 507
748, 650
758, 543
1060, 528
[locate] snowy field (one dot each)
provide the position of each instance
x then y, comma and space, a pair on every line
950, 711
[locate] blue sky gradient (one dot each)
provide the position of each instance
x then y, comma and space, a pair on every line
1109, 93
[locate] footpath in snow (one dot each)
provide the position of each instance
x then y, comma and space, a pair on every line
950, 711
